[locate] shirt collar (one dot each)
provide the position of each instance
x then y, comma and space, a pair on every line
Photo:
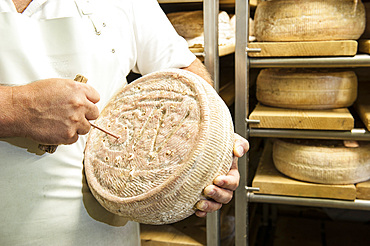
8, 6
34, 5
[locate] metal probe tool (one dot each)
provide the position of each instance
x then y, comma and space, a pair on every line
105, 131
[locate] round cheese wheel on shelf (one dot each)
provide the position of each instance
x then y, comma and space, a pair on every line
176, 136
319, 161
251, 27
189, 25
366, 34
306, 88
308, 20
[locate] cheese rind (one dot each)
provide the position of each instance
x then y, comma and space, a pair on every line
190, 25
307, 20
306, 88
250, 24
326, 162
176, 137
366, 34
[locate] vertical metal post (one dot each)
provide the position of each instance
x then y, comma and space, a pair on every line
241, 113
211, 61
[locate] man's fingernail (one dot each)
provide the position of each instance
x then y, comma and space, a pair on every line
211, 192
219, 182
202, 205
240, 150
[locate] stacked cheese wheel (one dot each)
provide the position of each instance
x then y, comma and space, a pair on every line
306, 88
176, 137
251, 27
309, 20
189, 25
318, 161
367, 28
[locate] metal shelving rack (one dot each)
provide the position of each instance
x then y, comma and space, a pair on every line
243, 63
211, 61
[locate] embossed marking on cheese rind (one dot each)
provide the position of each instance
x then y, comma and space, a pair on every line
170, 149
181, 124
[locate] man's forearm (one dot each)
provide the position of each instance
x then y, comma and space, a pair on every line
6, 112
198, 68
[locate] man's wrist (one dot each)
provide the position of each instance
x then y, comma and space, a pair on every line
10, 112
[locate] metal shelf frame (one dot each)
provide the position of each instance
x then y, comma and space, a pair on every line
243, 63
361, 60
211, 62
313, 202
355, 134
242, 10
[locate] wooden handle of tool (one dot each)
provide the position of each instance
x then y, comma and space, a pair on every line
80, 78
53, 148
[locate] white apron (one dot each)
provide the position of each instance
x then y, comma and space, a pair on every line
44, 199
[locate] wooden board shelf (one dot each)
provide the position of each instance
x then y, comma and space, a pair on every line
362, 104
272, 182
364, 46
223, 50
227, 93
188, 232
302, 49
231, 3
280, 118
363, 190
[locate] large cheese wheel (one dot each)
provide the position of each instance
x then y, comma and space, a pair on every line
318, 161
176, 137
251, 27
367, 28
309, 20
190, 25
306, 88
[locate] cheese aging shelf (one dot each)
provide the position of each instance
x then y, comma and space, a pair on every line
191, 15
245, 61
210, 55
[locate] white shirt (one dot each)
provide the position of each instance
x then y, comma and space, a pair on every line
44, 199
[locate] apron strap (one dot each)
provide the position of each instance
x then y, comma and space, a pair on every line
86, 8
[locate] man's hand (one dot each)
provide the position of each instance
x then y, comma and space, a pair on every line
221, 192
53, 111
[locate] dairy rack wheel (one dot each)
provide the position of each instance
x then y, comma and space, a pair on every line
308, 20
319, 161
306, 88
176, 136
